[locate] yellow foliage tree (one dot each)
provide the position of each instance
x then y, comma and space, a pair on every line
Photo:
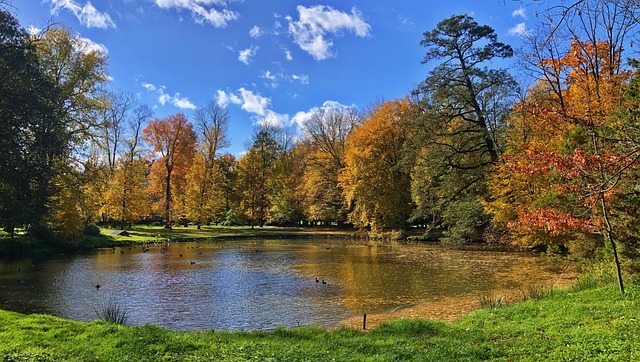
375, 183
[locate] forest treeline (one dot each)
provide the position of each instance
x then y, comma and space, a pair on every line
548, 161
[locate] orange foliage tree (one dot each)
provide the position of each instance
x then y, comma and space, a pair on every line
173, 144
567, 172
375, 183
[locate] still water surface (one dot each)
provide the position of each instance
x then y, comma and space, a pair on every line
261, 284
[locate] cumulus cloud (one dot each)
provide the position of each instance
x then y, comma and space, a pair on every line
214, 12
255, 32
519, 12
255, 104
519, 30
311, 32
301, 117
87, 46
88, 15
164, 98
246, 55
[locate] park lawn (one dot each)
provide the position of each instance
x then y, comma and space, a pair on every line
23, 245
593, 324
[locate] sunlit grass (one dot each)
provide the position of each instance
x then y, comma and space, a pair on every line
592, 324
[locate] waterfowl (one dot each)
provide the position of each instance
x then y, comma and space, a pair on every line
323, 282
317, 280
97, 286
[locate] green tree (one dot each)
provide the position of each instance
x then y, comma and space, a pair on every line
256, 171
464, 104
33, 134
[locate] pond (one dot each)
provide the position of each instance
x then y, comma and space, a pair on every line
261, 284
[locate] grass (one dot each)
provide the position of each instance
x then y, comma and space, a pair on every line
23, 245
594, 324
112, 312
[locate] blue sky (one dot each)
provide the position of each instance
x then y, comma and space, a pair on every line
268, 61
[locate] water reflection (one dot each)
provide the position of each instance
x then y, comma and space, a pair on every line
257, 284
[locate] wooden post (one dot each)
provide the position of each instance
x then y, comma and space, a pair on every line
364, 321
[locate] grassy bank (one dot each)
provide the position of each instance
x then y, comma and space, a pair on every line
593, 324
23, 245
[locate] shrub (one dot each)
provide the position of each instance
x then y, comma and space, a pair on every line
40, 231
231, 218
92, 230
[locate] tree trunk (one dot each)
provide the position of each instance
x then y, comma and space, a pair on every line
167, 196
609, 236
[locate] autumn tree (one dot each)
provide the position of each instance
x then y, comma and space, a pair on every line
325, 133
79, 72
126, 198
173, 142
593, 165
375, 181
464, 104
203, 201
578, 54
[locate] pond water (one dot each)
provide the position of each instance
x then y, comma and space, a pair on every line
259, 284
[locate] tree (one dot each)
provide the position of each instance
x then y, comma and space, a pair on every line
212, 123
173, 141
457, 139
33, 137
594, 171
326, 134
126, 198
256, 171
228, 167
79, 71
115, 113
375, 182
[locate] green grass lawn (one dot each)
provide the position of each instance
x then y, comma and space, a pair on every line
23, 245
596, 324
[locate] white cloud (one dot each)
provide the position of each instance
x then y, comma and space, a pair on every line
287, 54
148, 86
268, 75
301, 117
316, 22
519, 30
88, 15
255, 32
519, 12
255, 104
214, 12
302, 78
245, 55
164, 98
87, 46
32, 30
84, 45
